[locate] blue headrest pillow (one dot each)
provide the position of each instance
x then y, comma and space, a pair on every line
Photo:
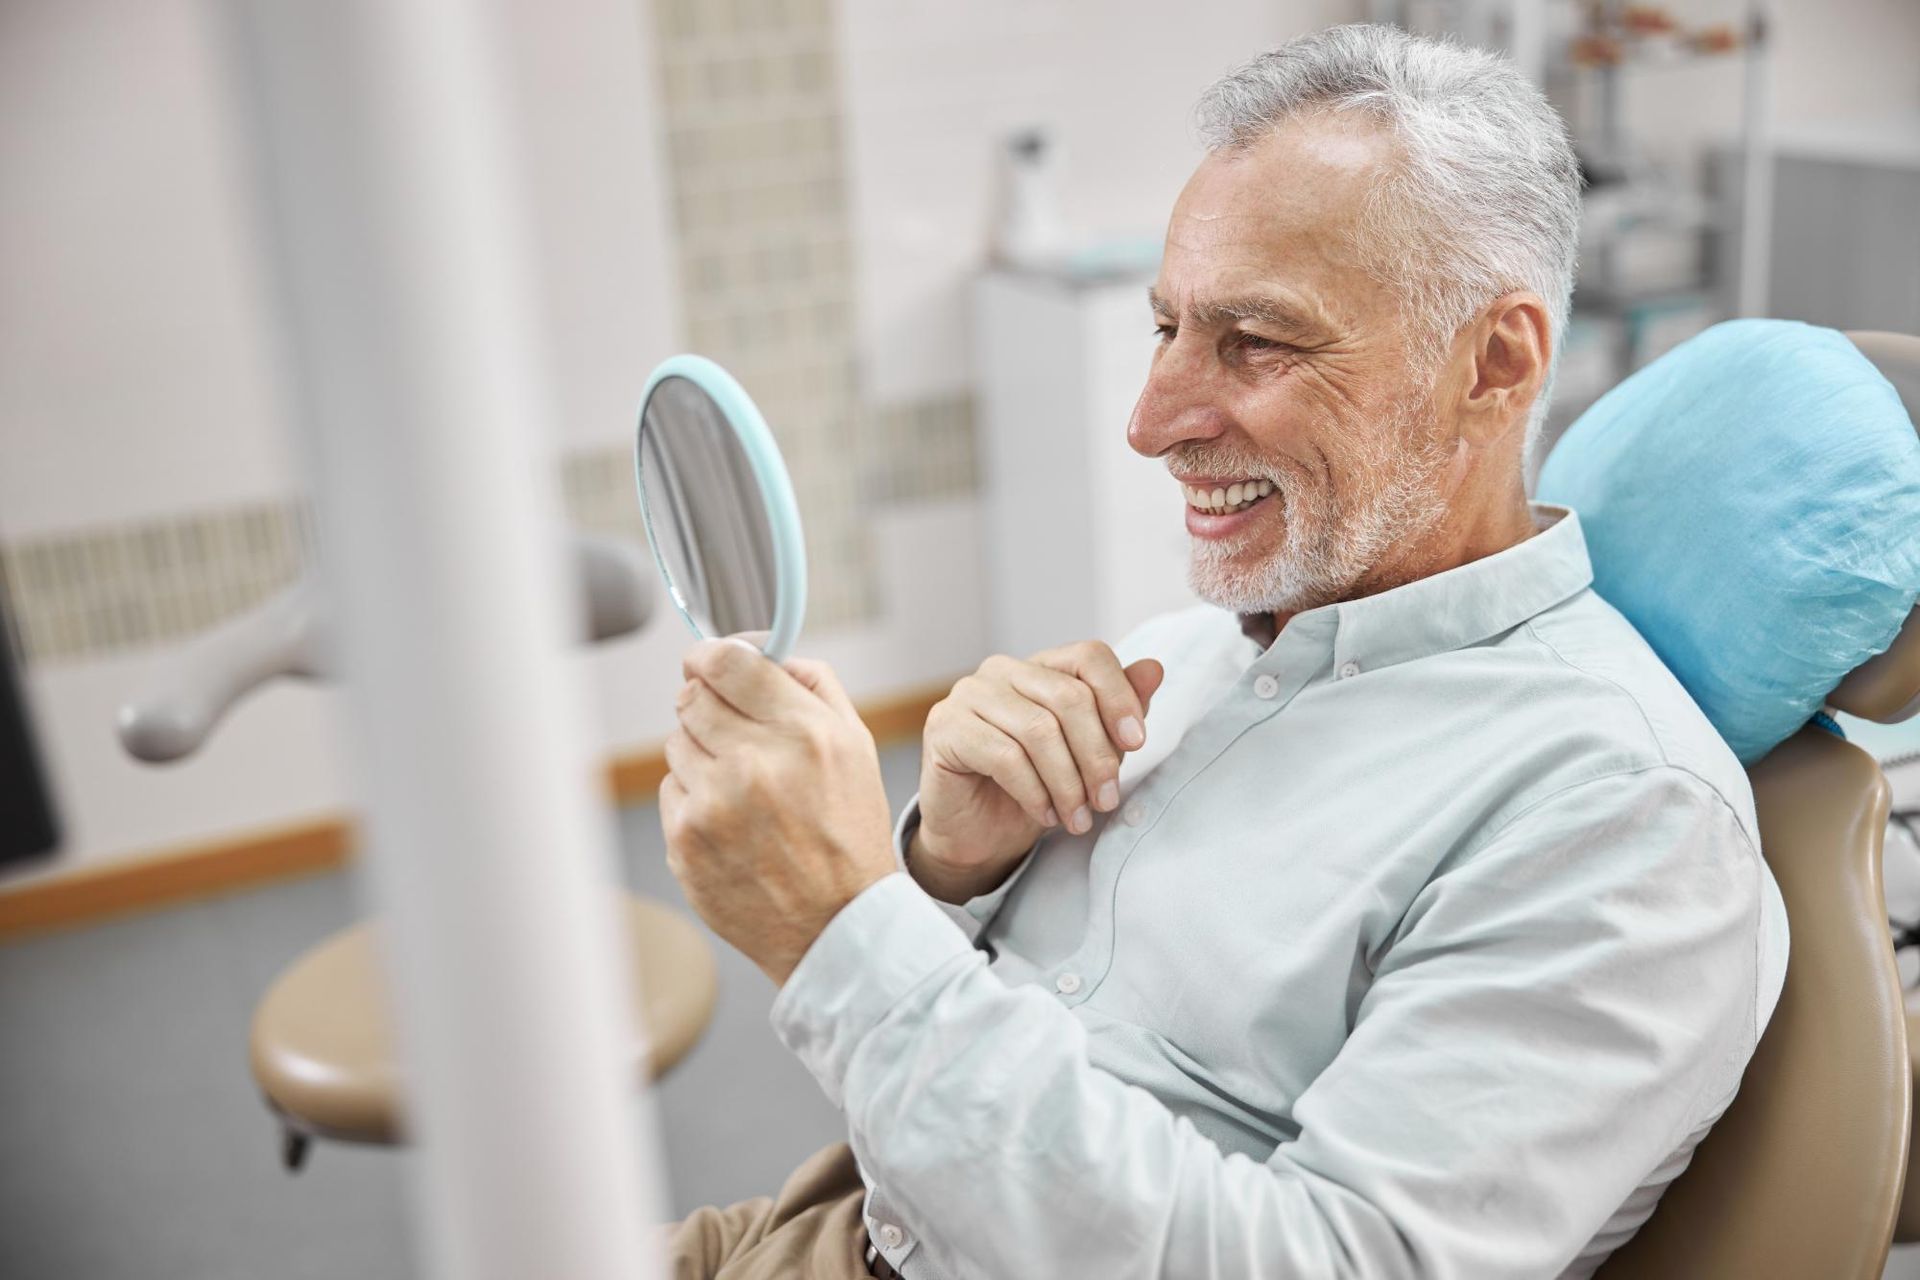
1751, 501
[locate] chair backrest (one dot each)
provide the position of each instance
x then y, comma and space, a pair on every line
1803, 1175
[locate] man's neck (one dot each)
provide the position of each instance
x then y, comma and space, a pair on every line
1468, 532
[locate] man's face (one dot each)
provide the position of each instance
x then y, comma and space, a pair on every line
1283, 370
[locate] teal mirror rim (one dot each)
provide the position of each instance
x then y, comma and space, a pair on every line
776, 490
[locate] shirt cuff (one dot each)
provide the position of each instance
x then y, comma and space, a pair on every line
876, 951
976, 912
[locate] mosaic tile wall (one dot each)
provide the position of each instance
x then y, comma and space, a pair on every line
752, 117
755, 154
750, 108
126, 586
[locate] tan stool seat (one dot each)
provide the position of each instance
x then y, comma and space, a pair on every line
322, 1049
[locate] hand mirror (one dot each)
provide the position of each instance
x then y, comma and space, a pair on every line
719, 507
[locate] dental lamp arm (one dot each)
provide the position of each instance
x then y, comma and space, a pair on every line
289, 636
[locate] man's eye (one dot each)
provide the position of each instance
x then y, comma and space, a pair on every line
1258, 343
1165, 332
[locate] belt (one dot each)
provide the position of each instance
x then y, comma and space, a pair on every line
877, 1264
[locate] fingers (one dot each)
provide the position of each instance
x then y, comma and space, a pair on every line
1121, 709
1039, 732
819, 677
686, 759
743, 677
1146, 676
967, 743
1077, 715
1050, 731
673, 800
709, 719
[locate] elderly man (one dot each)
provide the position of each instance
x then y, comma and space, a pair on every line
1395, 914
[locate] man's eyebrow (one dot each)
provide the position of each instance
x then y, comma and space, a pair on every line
1261, 308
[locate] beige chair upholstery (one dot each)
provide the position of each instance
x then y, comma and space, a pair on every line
1803, 1176
322, 1048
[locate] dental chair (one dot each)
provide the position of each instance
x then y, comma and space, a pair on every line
321, 1048
1803, 1177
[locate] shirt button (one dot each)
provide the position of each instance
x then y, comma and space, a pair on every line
1266, 686
891, 1236
1348, 670
1134, 814
1067, 983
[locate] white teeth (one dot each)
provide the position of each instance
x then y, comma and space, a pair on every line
1233, 497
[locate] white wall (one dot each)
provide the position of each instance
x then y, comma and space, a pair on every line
136, 360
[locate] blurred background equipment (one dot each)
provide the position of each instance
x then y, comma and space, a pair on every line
27, 825
321, 1045
391, 200
197, 684
1080, 535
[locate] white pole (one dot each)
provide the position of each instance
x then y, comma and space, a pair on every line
1756, 169
381, 131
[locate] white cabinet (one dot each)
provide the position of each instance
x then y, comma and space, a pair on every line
1084, 537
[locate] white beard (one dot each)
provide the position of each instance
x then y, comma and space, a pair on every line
1329, 547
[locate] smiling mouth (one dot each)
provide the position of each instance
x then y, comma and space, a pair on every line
1226, 499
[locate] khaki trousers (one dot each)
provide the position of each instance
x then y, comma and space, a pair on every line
811, 1230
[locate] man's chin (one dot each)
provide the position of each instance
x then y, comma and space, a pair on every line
1220, 586
1268, 585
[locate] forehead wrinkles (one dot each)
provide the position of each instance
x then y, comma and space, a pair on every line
1283, 210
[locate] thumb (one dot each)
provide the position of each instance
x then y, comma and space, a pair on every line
1145, 677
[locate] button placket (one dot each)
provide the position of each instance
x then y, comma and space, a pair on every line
1115, 844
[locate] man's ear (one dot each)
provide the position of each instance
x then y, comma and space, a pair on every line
1510, 353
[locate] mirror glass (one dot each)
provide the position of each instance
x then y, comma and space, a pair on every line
718, 505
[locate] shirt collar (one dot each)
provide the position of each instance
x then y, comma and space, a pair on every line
1454, 609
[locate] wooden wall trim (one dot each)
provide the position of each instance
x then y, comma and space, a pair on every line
203, 869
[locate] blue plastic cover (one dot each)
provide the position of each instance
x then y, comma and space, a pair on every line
1751, 501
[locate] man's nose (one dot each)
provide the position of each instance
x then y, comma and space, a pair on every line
1175, 406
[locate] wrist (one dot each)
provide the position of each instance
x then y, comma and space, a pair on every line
947, 882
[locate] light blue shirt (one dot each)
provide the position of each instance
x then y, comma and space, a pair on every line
1427, 942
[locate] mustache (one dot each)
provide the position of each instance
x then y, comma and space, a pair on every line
1226, 461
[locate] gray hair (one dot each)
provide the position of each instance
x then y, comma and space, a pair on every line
1485, 198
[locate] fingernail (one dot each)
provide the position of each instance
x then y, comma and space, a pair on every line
1109, 794
1053, 819
1130, 733
1082, 820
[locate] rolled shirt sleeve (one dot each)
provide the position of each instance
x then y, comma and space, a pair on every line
1554, 1014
